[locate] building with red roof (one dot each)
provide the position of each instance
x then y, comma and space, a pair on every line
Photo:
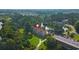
40, 29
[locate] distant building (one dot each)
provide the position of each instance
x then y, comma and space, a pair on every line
41, 29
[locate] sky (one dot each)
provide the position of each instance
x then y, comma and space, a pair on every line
39, 4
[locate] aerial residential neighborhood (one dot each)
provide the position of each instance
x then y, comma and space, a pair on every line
49, 29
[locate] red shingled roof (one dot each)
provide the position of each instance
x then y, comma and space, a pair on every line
38, 28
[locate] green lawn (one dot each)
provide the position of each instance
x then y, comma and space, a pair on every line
43, 46
34, 41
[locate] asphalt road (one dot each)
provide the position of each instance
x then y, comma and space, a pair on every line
68, 41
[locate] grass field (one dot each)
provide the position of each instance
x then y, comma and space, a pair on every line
76, 37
